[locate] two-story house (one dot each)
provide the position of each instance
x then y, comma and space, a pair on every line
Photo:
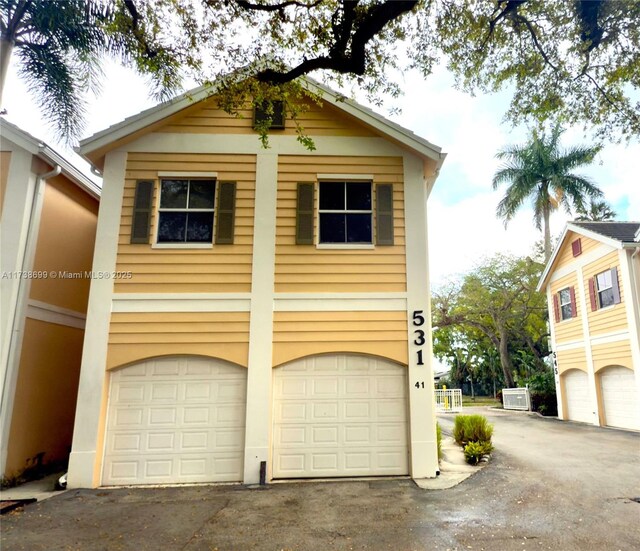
592, 282
267, 312
49, 213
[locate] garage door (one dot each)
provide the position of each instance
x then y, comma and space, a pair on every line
620, 398
175, 420
576, 387
340, 415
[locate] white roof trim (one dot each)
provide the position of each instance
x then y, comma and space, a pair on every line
37, 147
173, 106
615, 243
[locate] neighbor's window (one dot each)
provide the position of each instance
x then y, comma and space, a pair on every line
186, 211
604, 289
566, 308
345, 212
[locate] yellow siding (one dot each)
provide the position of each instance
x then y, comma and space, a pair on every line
221, 269
565, 255
304, 268
612, 354
46, 391
613, 318
575, 358
569, 330
66, 240
138, 336
5, 159
300, 334
323, 120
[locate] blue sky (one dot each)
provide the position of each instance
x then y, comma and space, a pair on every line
462, 223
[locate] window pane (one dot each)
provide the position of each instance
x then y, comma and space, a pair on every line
331, 195
565, 296
201, 194
172, 227
358, 228
606, 297
200, 227
359, 196
604, 280
173, 194
566, 312
332, 228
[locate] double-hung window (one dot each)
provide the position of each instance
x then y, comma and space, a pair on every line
345, 212
566, 306
604, 288
186, 210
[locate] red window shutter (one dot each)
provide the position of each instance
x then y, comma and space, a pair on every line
574, 309
615, 285
592, 294
556, 308
576, 247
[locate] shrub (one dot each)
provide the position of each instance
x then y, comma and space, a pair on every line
543, 393
439, 440
475, 451
471, 428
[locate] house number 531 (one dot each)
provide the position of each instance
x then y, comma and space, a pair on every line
419, 340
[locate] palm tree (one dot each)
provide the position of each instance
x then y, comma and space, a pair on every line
59, 45
541, 171
596, 211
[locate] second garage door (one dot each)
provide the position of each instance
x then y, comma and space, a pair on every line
620, 398
175, 420
340, 415
578, 399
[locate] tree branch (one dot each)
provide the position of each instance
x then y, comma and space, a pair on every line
244, 4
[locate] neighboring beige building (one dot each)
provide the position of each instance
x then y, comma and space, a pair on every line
592, 282
271, 306
49, 212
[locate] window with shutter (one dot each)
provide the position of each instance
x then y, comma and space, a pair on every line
607, 288
186, 211
141, 220
345, 214
567, 301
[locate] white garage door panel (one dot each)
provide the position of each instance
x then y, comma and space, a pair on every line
340, 415
579, 406
175, 420
620, 398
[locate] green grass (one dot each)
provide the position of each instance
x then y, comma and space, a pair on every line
480, 401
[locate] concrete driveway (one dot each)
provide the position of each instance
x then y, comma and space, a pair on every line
549, 485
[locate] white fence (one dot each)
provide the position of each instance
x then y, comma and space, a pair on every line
516, 398
448, 400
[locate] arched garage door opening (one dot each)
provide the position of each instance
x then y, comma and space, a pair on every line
577, 396
176, 419
340, 415
620, 399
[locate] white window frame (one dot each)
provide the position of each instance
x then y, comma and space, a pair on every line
188, 176
562, 316
345, 179
599, 290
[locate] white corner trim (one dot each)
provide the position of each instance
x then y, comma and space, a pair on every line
50, 313
178, 174
346, 177
554, 350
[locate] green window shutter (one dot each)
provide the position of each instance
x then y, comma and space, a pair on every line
225, 216
384, 214
304, 215
141, 221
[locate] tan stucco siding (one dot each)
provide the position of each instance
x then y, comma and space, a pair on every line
138, 336
45, 396
576, 358
5, 160
317, 120
612, 318
304, 268
571, 329
220, 269
66, 240
616, 353
565, 255
300, 334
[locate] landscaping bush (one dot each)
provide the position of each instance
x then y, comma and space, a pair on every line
439, 440
475, 451
471, 428
542, 387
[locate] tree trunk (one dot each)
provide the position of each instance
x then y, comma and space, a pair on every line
547, 232
6, 48
505, 360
